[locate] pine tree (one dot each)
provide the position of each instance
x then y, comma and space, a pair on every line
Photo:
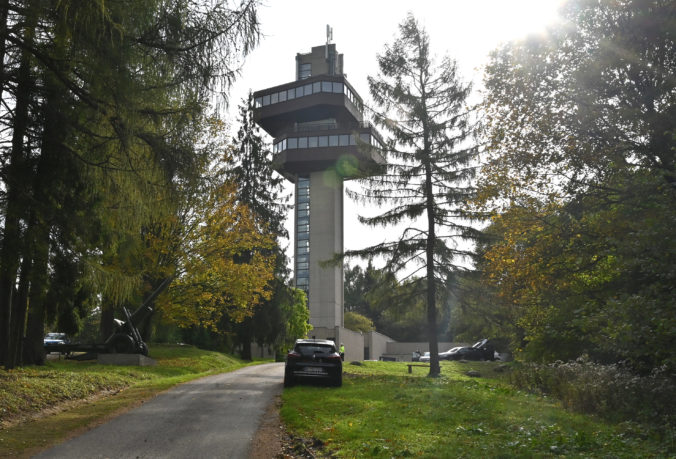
260, 188
431, 162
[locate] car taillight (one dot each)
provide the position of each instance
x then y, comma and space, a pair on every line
334, 356
292, 355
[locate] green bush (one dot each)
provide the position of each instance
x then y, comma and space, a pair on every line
611, 391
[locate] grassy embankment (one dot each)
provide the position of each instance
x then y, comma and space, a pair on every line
79, 395
382, 411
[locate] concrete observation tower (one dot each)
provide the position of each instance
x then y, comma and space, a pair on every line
320, 140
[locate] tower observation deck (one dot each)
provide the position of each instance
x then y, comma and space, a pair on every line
320, 140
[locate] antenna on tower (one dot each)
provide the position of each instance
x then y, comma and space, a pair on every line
329, 38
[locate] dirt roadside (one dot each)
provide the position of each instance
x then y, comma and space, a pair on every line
273, 441
267, 443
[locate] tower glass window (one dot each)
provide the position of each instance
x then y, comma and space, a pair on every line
303, 233
303, 90
304, 71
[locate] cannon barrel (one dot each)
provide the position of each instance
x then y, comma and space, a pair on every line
127, 339
145, 309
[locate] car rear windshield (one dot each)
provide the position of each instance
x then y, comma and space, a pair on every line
309, 348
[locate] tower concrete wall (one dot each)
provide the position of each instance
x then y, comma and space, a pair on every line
376, 344
326, 239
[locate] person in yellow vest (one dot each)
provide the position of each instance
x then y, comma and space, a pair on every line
341, 351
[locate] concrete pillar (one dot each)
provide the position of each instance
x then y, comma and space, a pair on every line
326, 239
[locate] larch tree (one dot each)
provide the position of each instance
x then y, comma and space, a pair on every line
97, 97
422, 104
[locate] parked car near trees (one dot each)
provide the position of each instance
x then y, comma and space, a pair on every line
444, 355
313, 359
481, 350
55, 338
52, 340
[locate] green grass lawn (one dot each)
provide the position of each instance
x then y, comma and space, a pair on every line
382, 411
61, 385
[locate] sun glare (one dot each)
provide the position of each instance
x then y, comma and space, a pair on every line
517, 19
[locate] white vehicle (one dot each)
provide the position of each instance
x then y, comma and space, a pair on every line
52, 340
425, 357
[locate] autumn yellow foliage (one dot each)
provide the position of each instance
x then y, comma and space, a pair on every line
224, 264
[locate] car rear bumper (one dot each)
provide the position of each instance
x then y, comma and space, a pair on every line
314, 371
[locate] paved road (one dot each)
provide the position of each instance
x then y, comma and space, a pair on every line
216, 416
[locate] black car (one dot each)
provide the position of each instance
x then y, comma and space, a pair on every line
313, 359
480, 350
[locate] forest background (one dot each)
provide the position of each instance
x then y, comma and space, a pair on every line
109, 186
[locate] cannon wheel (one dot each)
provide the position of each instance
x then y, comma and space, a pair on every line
122, 343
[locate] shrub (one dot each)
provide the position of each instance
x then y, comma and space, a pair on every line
611, 391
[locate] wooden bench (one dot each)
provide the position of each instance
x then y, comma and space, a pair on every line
411, 365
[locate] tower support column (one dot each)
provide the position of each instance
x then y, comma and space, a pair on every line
326, 239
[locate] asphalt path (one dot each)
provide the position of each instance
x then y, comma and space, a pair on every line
215, 416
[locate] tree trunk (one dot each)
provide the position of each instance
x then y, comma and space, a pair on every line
37, 250
34, 351
245, 338
16, 179
19, 311
146, 327
246, 350
435, 369
49, 177
106, 326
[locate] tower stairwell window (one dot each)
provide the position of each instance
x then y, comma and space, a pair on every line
303, 233
304, 71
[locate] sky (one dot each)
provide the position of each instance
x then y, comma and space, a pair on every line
466, 30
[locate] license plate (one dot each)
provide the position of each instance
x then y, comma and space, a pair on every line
314, 370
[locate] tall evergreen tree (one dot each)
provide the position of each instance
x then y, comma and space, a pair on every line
260, 187
431, 162
101, 95
250, 167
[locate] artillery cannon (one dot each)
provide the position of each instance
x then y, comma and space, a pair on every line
126, 339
